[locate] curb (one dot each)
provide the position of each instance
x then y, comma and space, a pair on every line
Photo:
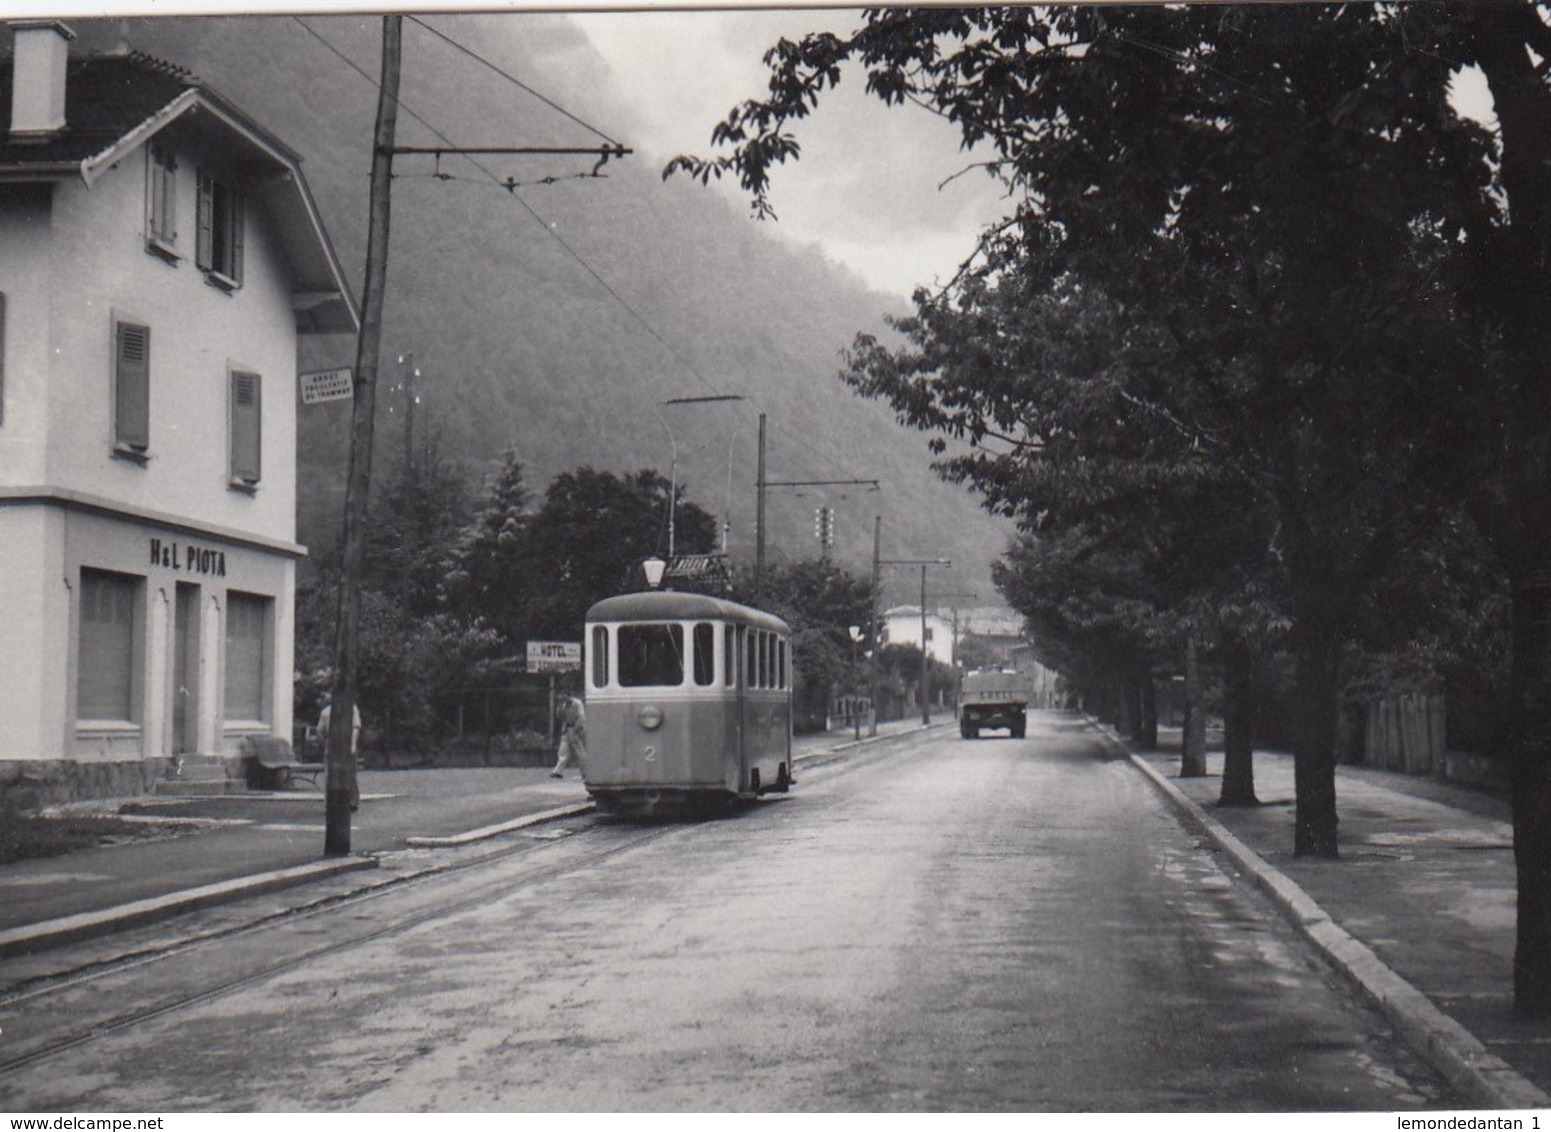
851, 743
89, 925
486, 832
1442, 1042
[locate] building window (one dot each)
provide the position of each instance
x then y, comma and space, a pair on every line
247, 656
220, 232
161, 214
246, 428
106, 657
131, 388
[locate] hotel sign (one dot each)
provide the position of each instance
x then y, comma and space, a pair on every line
188, 557
554, 656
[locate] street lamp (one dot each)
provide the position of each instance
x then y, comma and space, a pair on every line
654, 568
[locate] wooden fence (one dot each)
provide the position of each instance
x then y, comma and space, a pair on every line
1406, 733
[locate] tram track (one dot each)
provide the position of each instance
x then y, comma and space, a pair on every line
102, 997
107, 996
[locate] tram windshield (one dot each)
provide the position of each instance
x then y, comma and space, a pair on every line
651, 656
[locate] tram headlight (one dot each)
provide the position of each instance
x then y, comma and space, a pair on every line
649, 717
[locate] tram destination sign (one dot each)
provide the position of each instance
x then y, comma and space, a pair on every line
326, 385
554, 656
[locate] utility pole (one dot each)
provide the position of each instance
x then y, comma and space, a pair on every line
761, 485
759, 520
926, 700
410, 373
341, 792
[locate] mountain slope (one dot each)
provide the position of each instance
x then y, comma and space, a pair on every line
555, 319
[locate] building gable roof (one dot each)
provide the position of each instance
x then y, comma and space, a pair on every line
116, 103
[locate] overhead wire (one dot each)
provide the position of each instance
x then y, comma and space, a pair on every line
539, 219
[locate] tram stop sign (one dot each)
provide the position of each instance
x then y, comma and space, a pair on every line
554, 656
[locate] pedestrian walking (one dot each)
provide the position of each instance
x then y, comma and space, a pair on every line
355, 730
355, 744
573, 736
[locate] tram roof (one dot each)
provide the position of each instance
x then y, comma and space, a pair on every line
667, 605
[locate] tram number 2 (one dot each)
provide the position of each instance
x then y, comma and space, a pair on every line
649, 754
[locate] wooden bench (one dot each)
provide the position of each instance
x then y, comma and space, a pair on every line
276, 766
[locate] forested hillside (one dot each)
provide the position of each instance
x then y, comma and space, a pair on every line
554, 318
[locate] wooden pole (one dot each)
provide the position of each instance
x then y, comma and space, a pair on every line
340, 794
759, 520
926, 691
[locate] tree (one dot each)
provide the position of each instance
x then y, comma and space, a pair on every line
589, 538
1511, 44
488, 583
820, 601
406, 642
1265, 199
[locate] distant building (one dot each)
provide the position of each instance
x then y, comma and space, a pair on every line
159, 255
993, 635
902, 626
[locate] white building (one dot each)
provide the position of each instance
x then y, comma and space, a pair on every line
902, 626
159, 255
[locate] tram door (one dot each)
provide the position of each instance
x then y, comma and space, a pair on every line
735, 642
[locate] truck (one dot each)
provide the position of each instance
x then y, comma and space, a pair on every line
994, 697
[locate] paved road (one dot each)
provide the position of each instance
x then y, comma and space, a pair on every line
931, 925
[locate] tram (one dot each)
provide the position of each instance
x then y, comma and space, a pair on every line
689, 703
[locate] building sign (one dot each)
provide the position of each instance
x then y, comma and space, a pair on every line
554, 656
188, 557
326, 385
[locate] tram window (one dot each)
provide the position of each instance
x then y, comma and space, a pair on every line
729, 656
781, 652
750, 647
600, 656
705, 657
651, 656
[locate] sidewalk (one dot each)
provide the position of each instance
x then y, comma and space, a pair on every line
243, 845
1418, 911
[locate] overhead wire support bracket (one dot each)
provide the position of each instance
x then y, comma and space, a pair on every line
603, 151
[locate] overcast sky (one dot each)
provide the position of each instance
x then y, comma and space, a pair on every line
866, 188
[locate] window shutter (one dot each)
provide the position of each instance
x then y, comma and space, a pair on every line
170, 199
247, 434
237, 230
204, 252
132, 387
